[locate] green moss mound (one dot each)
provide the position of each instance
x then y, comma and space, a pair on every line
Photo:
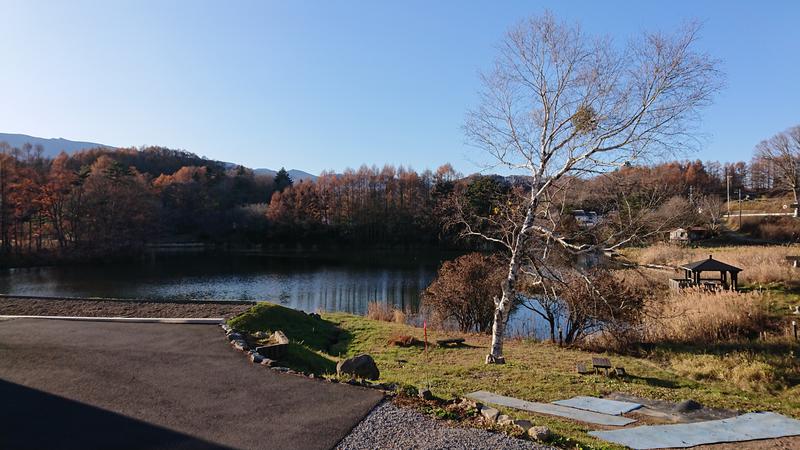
311, 331
312, 339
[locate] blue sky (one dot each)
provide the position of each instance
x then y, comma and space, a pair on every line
328, 85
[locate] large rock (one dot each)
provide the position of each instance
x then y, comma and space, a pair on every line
504, 420
539, 433
523, 425
489, 413
234, 336
361, 366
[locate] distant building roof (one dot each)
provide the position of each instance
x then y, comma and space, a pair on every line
710, 265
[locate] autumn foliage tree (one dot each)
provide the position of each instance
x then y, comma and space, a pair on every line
113, 201
366, 206
464, 291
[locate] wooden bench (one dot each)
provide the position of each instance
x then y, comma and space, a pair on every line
455, 342
601, 363
582, 369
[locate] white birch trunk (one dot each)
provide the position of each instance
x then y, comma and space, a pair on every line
503, 307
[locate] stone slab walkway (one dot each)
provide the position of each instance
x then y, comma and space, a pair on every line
747, 427
551, 409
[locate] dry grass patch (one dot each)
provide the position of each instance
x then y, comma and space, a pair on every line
742, 370
403, 341
761, 264
385, 312
695, 316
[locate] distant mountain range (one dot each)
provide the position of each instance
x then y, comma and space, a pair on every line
294, 174
52, 147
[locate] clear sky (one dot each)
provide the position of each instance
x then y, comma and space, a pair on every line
331, 84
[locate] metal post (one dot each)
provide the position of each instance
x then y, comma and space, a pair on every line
794, 329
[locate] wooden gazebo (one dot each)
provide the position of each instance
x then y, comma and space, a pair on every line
728, 274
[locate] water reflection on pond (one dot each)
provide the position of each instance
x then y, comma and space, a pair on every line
310, 282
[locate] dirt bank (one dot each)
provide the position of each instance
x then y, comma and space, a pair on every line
116, 308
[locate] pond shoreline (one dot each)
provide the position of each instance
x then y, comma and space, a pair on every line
93, 307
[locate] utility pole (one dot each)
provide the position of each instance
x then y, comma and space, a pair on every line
740, 208
728, 180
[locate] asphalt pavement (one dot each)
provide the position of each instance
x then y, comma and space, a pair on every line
99, 385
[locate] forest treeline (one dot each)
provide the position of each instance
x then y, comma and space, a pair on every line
105, 201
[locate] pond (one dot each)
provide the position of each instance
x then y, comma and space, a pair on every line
343, 281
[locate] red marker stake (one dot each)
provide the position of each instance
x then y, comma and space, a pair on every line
425, 330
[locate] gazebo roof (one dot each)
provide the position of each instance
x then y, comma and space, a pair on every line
710, 265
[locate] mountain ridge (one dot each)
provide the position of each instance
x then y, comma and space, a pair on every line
53, 146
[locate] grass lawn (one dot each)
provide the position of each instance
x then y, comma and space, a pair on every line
731, 376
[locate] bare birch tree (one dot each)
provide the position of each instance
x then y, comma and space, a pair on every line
782, 152
711, 209
559, 105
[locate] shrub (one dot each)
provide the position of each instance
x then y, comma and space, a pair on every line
464, 291
777, 229
602, 301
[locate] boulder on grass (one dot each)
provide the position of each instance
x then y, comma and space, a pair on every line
361, 366
539, 433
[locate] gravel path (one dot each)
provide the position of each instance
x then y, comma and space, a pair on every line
391, 427
111, 308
